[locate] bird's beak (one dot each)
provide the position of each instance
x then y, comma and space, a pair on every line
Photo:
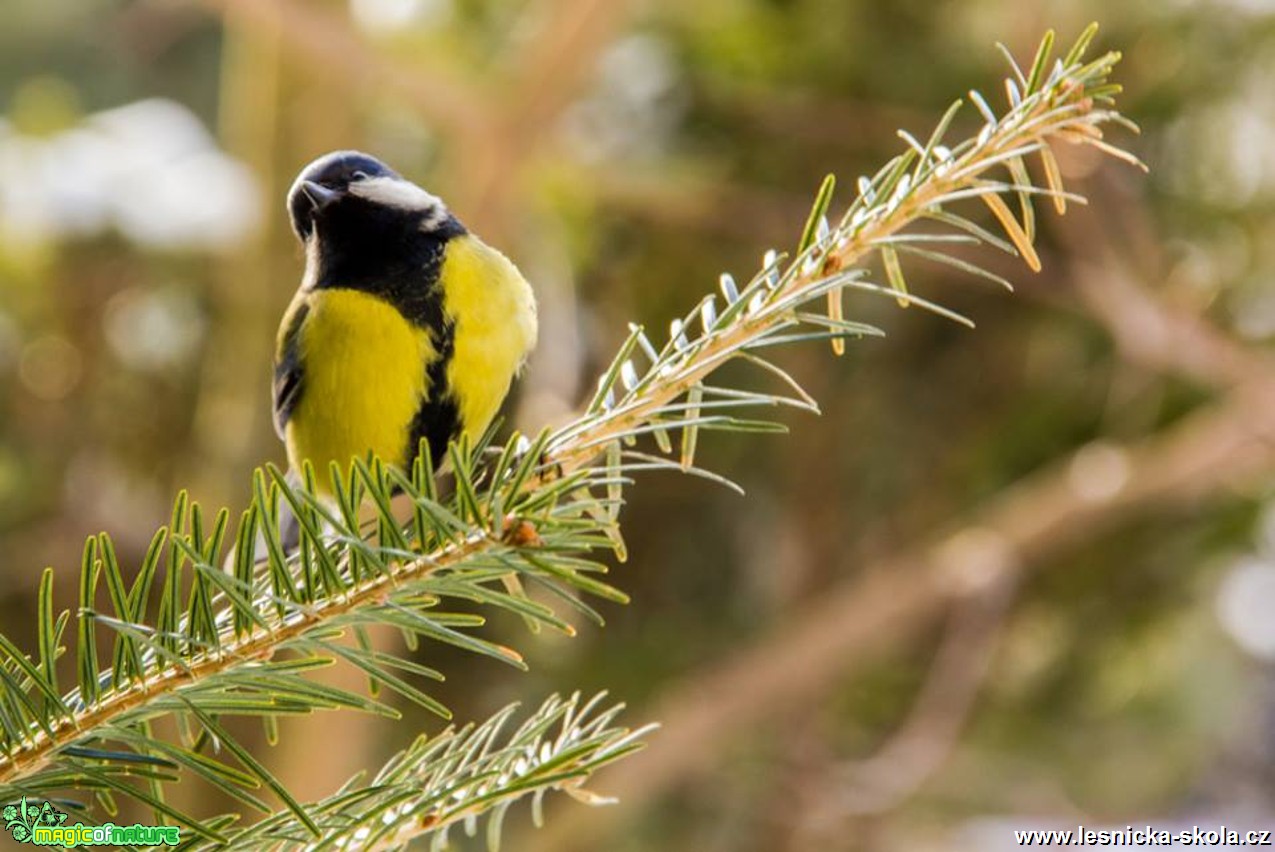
320, 196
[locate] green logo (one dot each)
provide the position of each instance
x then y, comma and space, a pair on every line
22, 819
44, 825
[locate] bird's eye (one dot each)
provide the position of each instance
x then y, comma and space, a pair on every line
358, 176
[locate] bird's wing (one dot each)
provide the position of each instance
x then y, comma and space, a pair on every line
288, 369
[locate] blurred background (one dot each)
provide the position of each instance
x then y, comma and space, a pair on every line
1016, 577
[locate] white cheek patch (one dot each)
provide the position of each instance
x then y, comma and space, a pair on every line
397, 193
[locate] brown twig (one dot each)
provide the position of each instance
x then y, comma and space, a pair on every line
898, 768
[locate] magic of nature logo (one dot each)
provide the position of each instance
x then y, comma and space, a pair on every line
44, 825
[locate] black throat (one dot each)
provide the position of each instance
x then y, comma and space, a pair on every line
385, 252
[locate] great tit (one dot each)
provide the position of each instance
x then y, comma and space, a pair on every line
407, 329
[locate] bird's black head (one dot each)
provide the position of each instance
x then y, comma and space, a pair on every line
352, 187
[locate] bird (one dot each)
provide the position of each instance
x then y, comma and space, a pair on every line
406, 331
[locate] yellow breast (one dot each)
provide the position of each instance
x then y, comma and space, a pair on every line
364, 380
494, 316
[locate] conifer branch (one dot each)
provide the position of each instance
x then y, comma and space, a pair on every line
455, 779
1066, 105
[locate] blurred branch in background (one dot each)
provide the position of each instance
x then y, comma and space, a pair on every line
1119, 291
227, 425
323, 40
829, 795
899, 767
544, 78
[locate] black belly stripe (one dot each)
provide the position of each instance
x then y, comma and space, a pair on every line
437, 421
